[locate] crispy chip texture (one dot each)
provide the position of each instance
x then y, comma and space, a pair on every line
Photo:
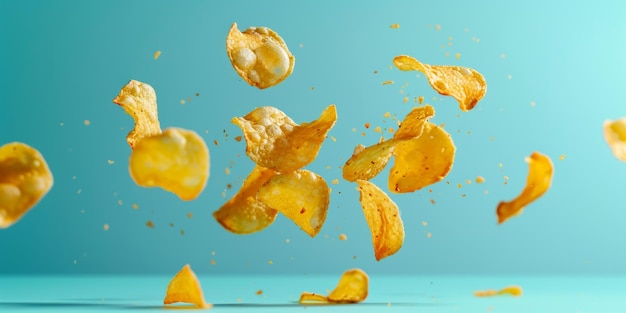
353, 287
383, 218
185, 287
139, 101
422, 161
615, 136
413, 124
537, 183
275, 141
515, 291
24, 179
259, 55
244, 214
464, 84
301, 195
176, 160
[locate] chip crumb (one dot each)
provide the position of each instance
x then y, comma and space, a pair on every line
343, 237
79, 191
182, 101
182, 232
420, 99
189, 215
238, 138
335, 181
135, 206
457, 55
87, 122
378, 129
212, 262
227, 171
333, 138
468, 181
562, 157
387, 114
405, 100
432, 201
259, 292
387, 82
270, 262
157, 54
215, 142
459, 185
396, 25
425, 223
287, 240
105, 227
375, 71
150, 224
437, 27
480, 179
428, 234
367, 125
119, 202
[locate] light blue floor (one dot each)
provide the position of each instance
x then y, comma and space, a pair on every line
387, 293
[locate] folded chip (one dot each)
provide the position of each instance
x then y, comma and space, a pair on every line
176, 160
259, 55
515, 291
539, 179
185, 287
615, 136
353, 287
139, 101
24, 179
464, 84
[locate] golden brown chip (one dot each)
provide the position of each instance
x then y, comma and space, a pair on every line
139, 101
422, 161
176, 160
465, 84
301, 195
24, 179
383, 218
353, 287
259, 55
515, 291
366, 163
275, 141
537, 183
615, 136
185, 287
413, 124
243, 213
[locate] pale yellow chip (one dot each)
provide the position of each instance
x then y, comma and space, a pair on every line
301, 195
259, 55
383, 218
243, 213
464, 84
353, 287
139, 101
515, 291
176, 160
275, 141
539, 179
422, 161
24, 179
615, 136
185, 287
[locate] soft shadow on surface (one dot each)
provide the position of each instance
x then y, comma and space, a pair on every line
74, 305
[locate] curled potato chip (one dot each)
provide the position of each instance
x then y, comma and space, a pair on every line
139, 101
259, 55
301, 195
275, 141
176, 160
413, 124
537, 183
515, 291
615, 136
243, 213
422, 161
464, 84
24, 179
185, 287
353, 287
383, 218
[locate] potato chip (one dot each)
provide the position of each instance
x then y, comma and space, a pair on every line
413, 124
176, 160
515, 291
464, 84
259, 55
275, 141
24, 179
301, 195
353, 287
422, 161
139, 101
537, 183
383, 218
244, 214
185, 287
615, 136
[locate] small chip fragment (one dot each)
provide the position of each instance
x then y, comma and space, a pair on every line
353, 287
24, 180
185, 287
515, 291
396, 25
139, 101
157, 54
464, 84
383, 218
539, 178
615, 136
259, 55
176, 160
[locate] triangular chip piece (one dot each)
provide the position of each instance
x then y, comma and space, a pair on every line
185, 287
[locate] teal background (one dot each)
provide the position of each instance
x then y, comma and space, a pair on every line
63, 62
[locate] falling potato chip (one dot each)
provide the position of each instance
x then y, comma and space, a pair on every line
383, 218
422, 161
464, 84
301, 195
244, 214
259, 55
413, 124
139, 101
275, 141
352, 288
615, 136
185, 287
24, 179
537, 183
176, 160
515, 291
